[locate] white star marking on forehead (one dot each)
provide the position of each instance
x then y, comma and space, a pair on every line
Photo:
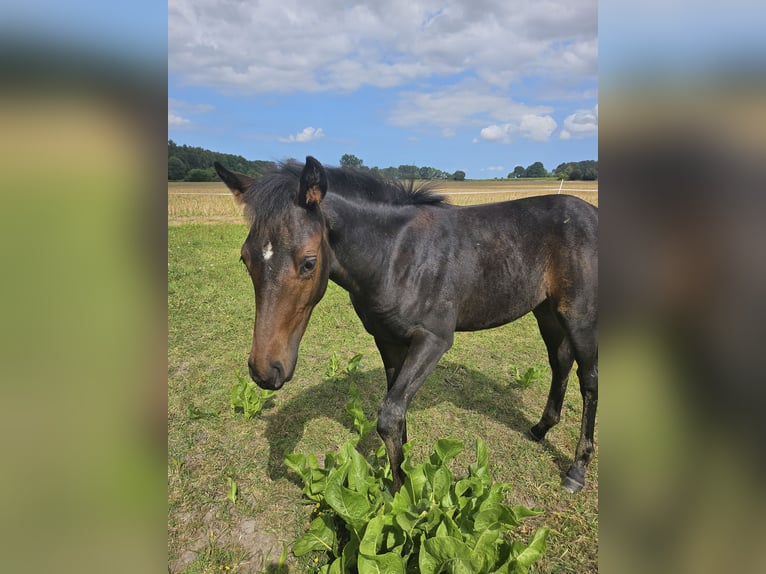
267, 252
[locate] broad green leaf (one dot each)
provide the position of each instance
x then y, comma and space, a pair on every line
408, 520
353, 363
441, 483
450, 526
447, 448
522, 511
358, 472
350, 553
313, 477
297, 462
388, 563
381, 535
233, 490
468, 492
196, 413
394, 539
480, 468
381, 452
320, 536
402, 502
416, 482
495, 495
497, 517
353, 405
447, 553
485, 547
447, 527
532, 553
344, 454
347, 503
434, 518
373, 534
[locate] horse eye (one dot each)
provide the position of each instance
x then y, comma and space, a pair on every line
308, 265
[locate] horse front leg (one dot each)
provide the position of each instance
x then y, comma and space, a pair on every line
425, 350
393, 355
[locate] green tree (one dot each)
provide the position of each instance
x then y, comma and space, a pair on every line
459, 175
177, 169
349, 160
590, 174
537, 169
562, 171
426, 172
200, 158
390, 172
518, 171
409, 171
198, 174
575, 170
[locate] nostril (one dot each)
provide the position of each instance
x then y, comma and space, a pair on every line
280, 370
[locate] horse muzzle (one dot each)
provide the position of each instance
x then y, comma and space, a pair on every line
271, 378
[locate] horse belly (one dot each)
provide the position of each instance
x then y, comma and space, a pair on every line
497, 297
486, 312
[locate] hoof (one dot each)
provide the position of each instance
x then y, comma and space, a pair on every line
531, 435
572, 485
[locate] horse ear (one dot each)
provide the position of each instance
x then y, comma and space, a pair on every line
238, 183
313, 184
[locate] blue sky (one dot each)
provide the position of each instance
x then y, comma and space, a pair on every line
479, 86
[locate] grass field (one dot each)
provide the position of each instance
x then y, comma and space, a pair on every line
471, 393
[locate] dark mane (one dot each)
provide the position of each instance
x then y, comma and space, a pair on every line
274, 192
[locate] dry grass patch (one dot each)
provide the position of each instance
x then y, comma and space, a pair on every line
211, 202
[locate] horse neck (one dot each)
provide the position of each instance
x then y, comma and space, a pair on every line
361, 236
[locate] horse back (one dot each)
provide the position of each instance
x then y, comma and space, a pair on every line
511, 256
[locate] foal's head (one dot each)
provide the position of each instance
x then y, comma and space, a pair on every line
288, 258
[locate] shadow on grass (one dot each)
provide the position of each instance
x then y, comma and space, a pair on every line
465, 388
275, 568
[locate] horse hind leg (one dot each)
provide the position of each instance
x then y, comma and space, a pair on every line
561, 358
585, 343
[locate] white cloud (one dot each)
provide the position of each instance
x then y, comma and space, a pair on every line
308, 134
495, 133
457, 65
278, 45
178, 110
466, 105
537, 128
581, 124
528, 126
176, 121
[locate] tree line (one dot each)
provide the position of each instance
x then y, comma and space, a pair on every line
403, 171
187, 163
573, 170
